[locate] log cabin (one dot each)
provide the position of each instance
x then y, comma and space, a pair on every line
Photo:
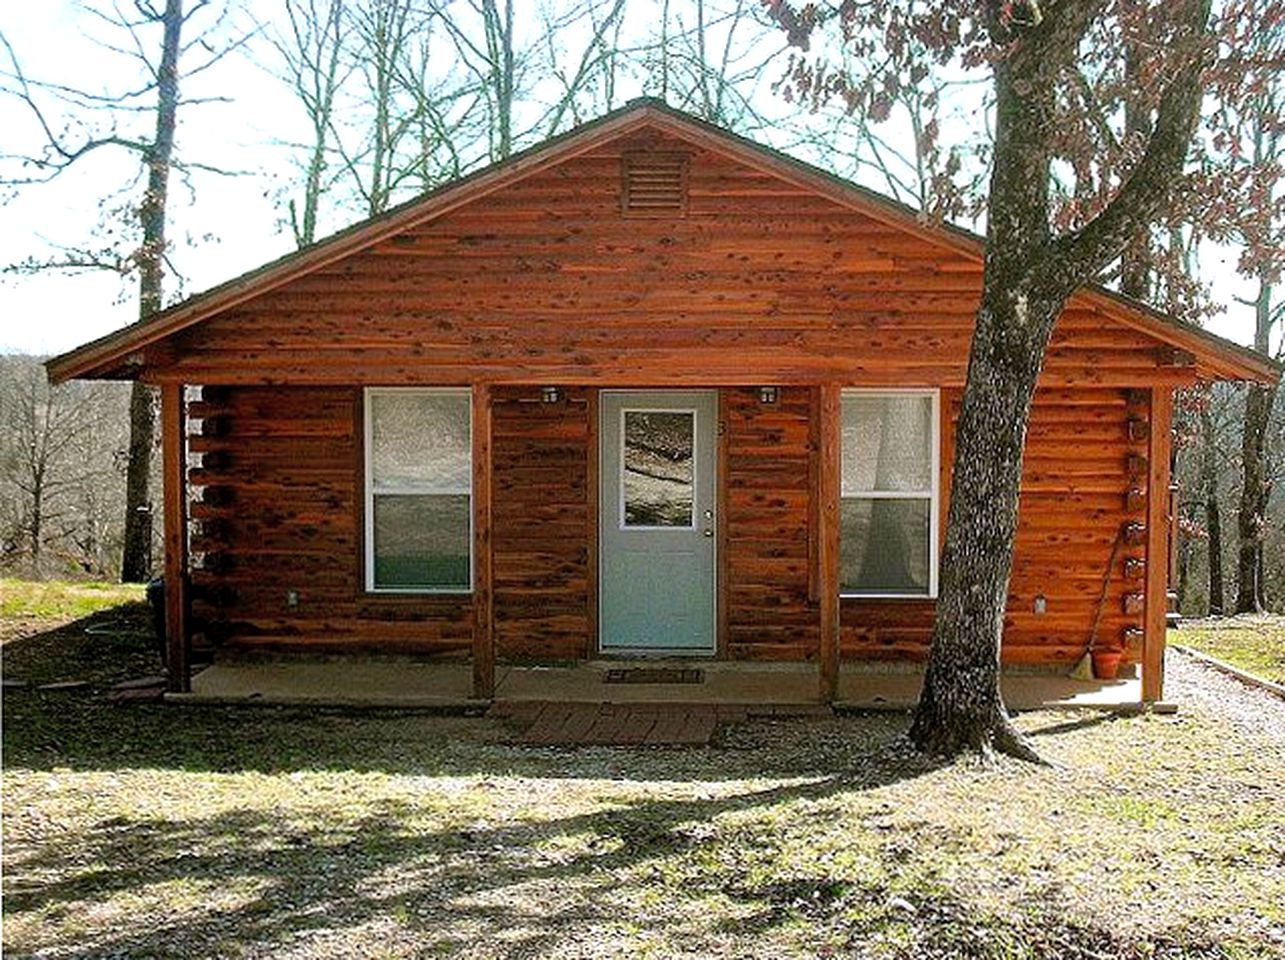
648, 389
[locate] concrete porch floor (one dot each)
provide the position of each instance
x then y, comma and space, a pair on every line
403, 683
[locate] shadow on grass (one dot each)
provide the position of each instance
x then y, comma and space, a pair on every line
439, 881
525, 888
1086, 722
263, 881
103, 648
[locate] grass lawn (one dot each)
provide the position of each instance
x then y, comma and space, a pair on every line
153, 830
1255, 644
61, 599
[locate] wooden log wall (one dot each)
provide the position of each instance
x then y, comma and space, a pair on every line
545, 281
542, 525
770, 536
760, 282
279, 510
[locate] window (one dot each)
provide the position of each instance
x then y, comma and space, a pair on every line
888, 507
659, 469
419, 490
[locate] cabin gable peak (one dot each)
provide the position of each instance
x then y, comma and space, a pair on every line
656, 145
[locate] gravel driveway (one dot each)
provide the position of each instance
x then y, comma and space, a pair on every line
1251, 710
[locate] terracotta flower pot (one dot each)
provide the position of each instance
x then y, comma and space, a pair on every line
1106, 663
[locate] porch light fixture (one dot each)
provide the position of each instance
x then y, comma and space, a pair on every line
550, 394
768, 394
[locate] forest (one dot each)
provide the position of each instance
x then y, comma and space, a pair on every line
391, 98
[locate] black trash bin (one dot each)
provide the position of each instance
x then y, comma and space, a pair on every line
156, 600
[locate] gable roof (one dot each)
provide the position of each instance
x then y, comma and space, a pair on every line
102, 356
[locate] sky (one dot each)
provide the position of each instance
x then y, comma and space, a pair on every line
220, 225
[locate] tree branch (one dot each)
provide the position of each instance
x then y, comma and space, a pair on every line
1084, 252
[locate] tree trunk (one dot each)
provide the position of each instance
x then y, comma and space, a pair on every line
1184, 570
37, 521
1252, 516
1213, 513
136, 564
136, 560
1028, 277
960, 707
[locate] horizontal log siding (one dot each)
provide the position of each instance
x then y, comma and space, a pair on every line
541, 524
768, 539
1076, 478
283, 512
545, 281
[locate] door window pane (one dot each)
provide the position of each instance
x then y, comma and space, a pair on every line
658, 465
884, 546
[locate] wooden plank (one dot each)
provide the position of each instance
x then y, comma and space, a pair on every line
830, 429
173, 466
1157, 587
722, 600
483, 652
592, 512
814, 499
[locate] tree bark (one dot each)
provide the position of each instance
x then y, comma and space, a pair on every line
1251, 519
960, 707
136, 564
136, 559
1213, 513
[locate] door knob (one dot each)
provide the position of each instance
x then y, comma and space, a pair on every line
708, 532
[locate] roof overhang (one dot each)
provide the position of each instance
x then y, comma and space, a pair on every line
135, 346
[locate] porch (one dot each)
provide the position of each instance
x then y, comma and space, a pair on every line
762, 688
761, 509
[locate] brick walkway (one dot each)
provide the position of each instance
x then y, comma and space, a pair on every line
626, 724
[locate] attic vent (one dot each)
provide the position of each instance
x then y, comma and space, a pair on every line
655, 185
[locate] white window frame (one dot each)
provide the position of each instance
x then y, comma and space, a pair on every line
371, 490
637, 528
933, 495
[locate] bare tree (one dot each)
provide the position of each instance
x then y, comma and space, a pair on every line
311, 54
61, 490
92, 125
1249, 136
1035, 260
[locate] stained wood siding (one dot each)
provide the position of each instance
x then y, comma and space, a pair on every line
545, 282
541, 525
770, 536
280, 509
760, 282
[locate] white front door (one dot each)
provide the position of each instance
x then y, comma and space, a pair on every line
656, 521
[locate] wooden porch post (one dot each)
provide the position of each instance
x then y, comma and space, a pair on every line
1157, 586
483, 600
827, 492
174, 493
